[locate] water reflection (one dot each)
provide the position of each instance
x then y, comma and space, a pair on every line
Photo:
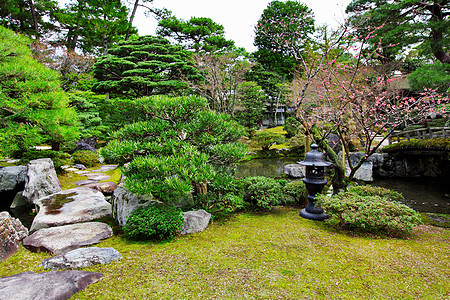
422, 194
268, 167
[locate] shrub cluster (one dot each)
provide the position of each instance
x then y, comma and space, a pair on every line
262, 192
297, 190
158, 221
85, 157
369, 209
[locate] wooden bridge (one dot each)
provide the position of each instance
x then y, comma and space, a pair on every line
421, 133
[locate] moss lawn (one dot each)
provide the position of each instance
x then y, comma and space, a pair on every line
273, 255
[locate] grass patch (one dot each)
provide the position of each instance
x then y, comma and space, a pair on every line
274, 255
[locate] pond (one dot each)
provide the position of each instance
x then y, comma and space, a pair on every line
431, 195
268, 167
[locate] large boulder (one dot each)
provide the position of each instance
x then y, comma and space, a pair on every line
12, 177
11, 233
294, 170
195, 221
81, 258
46, 286
125, 202
42, 180
76, 205
69, 237
364, 173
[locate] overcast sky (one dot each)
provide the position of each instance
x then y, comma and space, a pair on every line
239, 17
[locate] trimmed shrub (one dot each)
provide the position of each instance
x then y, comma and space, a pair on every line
86, 158
368, 213
297, 190
158, 221
262, 192
368, 190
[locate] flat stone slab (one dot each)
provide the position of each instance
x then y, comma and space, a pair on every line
68, 237
107, 188
46, 286
106, 168
86, 181
82, 172
97, 176
81, 258
72, 206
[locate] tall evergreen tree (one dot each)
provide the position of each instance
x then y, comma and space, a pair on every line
400, 24
33, 107
291, 20
93, 25
198, 34
146, 66
31, 17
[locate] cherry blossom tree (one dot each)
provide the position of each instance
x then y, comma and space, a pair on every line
341, 93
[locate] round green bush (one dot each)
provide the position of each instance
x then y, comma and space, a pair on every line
374, 214
297, 190
86, 158
158, 221
263, 192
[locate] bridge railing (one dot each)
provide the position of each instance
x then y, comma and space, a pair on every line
421, 133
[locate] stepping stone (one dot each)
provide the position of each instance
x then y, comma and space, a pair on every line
68, 237
72, 169
48, 285
82, 172
107, 188
86, 181
79, 166
72, 206
81, 258
98, 176
108, 167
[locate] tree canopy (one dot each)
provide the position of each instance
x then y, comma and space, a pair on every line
198, 34
400, 24
142, 67
290, 22
33, 107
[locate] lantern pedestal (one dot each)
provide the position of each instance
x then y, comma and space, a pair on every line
315, 181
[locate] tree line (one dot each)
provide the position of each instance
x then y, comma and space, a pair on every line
344, 78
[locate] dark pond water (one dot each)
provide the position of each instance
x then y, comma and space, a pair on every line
268, 167
430, 195
422, 194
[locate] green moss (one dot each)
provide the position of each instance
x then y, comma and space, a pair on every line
425, 144
114, 175
68, 180
274, 255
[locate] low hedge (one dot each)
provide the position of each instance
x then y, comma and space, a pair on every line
369, 210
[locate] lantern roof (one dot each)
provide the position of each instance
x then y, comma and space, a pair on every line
315, 158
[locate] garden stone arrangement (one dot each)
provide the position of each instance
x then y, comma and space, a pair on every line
62, 224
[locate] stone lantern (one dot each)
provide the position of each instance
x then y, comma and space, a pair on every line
314, 180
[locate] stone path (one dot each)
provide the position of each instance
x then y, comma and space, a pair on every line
93, 176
